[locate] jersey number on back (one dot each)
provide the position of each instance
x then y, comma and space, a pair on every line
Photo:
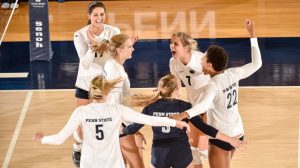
231, 97
99, 132
165, 129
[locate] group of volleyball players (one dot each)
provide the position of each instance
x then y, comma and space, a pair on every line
102, 83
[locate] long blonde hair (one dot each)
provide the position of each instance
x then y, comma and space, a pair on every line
117, 41
100, 86
165, 88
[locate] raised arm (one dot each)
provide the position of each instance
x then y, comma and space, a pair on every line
85, 54
256, 63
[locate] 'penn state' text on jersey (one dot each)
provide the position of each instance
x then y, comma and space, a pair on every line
221, 96
100, 124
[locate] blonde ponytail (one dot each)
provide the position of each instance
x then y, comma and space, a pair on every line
142, 100
100, 86
166, 87
101, 46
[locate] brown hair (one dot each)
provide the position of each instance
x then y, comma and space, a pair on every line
117, 41
187, 40
93, 5
217, 56
100, 86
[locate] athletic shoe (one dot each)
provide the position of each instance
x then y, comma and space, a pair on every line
13, 4
5, 5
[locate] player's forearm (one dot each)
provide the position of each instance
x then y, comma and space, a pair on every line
66, 132
132, 128
53, 139
252, 34
205, 102
223, 137
256, 62
133, 116
202, 126
196, 110
80, 45
158, 121
255, 53
87, 60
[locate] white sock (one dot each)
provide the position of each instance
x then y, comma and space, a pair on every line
197, 159
76, 147
194, 148
203, 153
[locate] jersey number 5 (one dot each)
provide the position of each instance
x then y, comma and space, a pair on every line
99, 132
231, 97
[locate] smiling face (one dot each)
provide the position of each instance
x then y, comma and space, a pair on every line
97, 16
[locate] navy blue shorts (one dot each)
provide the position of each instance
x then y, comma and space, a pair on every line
82, 94
223, 145
175, 156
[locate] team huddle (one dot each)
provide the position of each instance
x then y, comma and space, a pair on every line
106, 131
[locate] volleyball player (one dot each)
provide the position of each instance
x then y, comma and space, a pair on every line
185, 65
120, 48
100, 122
90, 63
170, 146
221, 97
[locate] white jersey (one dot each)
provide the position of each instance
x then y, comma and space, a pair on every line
191, 75
221, 96
90, 66
113, 70
100, 123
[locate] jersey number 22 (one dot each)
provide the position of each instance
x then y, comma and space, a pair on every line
231, 97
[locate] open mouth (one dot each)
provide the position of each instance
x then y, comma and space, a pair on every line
173, 52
